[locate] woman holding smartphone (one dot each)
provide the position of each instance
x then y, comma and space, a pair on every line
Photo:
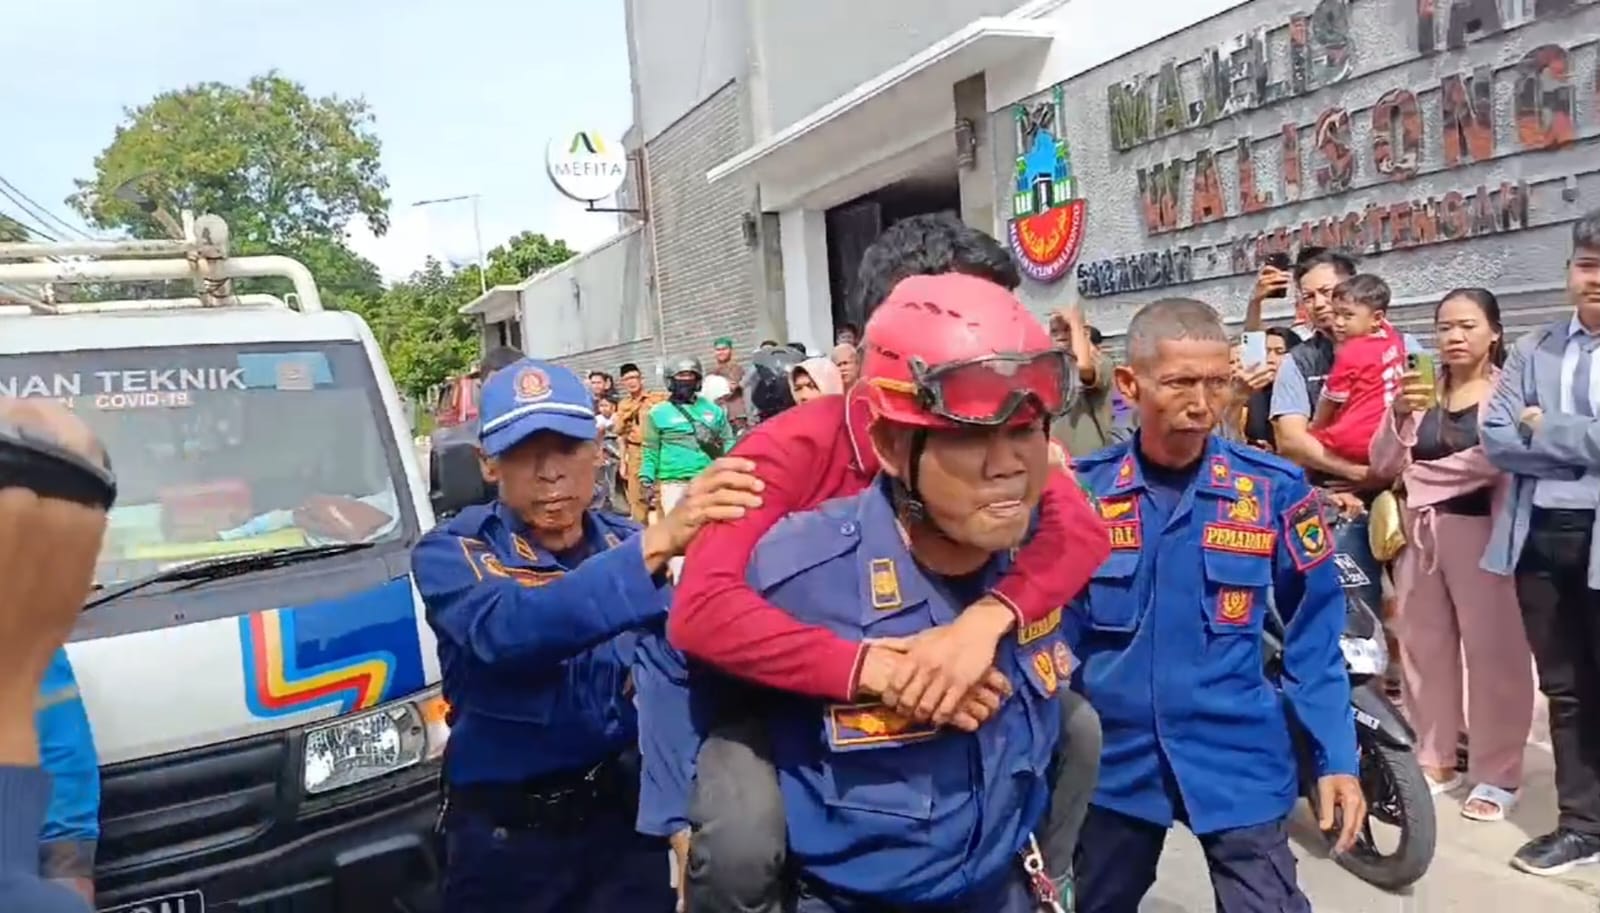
1448, 604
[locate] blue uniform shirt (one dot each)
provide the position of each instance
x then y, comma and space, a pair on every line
537, 653
1169, 637
66, 752
879, 806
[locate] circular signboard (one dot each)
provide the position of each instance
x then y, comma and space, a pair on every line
585, 165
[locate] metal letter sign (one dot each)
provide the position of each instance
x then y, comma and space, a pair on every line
1047, 215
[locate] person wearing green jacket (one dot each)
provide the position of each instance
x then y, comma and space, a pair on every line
681, 436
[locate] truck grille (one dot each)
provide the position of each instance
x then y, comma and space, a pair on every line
184, 811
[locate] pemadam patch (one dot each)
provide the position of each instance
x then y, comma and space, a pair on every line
1240, 540
1306, 533
853, 726
1234, 605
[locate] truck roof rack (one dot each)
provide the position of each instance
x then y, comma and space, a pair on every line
201, 256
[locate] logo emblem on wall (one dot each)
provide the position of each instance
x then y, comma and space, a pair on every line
1047, 215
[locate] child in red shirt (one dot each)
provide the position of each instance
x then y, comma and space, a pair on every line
1366, 369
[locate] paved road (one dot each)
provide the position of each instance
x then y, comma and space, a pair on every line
1469, 874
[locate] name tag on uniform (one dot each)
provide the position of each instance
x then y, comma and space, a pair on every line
1241, 540
857, 726
1037, 629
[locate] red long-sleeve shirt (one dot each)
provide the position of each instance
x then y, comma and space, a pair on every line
810, 454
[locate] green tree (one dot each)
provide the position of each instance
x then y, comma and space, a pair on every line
417, 321
11, 230
269, 158
286, 170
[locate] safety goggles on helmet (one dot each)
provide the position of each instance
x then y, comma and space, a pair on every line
989, 390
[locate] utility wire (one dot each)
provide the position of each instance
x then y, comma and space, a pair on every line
39, 212
26, 225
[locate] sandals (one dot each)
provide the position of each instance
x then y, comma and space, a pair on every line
1501, 801
1439, 788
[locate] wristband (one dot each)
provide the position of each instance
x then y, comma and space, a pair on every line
48, 470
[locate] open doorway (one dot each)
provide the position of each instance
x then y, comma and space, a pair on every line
854, 225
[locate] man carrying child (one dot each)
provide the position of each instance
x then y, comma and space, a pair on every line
1368, 361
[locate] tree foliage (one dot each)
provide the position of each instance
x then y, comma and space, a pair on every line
273, 161
417, 321
288, 171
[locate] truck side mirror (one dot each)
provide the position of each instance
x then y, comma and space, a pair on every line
457, 482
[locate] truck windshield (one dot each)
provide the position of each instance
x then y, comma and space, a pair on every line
229, 449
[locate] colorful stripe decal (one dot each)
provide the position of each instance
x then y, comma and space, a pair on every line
348, 653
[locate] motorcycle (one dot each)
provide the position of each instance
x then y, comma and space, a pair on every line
1392, 781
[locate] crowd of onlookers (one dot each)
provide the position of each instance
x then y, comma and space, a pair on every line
1475, 465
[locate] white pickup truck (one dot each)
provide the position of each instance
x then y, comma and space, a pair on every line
261, 684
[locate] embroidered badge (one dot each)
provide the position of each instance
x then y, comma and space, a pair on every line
862, 725
885, 585
1044, 664
1126, 508
1308, 538
1241, 540
1219, 471
1126, 535
523, 549
1035, 630
1125, 473
532, 385
1063, 658
1233, 606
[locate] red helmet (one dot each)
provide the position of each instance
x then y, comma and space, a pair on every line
950, 350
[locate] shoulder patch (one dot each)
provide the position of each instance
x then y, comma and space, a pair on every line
1306, 532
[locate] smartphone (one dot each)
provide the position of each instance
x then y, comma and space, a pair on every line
1279, 261
1254, 349
1421, 364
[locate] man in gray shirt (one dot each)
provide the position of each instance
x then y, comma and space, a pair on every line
1541, 427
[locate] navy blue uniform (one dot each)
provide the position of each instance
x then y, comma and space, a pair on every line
883, 812
1169, 634
539, 656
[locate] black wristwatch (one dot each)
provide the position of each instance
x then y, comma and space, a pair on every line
49, 470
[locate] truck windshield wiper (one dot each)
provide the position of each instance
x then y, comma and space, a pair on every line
218, 568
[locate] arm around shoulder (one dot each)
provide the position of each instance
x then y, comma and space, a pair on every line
501, 614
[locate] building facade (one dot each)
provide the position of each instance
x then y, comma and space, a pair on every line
1125, 158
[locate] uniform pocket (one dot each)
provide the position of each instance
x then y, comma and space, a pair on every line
1236, 587
1112, 606
881, 762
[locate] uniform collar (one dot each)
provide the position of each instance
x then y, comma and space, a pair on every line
1216, 475
895, 581
596, 535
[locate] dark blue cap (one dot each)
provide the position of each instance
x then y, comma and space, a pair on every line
530, 396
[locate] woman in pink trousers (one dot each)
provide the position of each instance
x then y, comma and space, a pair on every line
1448, 605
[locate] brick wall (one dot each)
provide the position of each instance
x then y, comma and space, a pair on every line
706, 272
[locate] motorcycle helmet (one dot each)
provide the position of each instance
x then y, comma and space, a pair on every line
766, 381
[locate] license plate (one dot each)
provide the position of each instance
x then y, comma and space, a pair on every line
187, 902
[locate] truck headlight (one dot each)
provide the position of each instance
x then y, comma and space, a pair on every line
355, 749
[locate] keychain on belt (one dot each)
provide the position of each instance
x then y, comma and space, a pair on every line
1044, 890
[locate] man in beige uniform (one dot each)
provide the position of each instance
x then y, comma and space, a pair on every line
629, 427
728, 369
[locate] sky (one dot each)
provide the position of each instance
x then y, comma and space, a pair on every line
466, 94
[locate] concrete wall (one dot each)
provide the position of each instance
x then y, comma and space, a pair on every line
683, 51
813, 51
1384, 55
599, 299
